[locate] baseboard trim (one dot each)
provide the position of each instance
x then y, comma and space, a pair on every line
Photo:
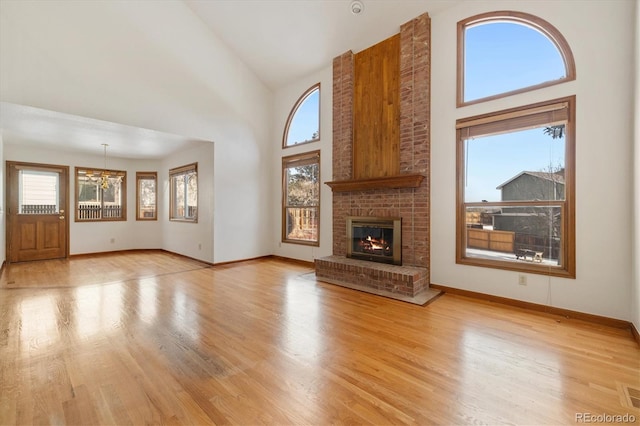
107, 253
567, 313
232, 262
634, 332
306, 263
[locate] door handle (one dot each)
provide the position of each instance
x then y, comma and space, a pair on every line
61, 217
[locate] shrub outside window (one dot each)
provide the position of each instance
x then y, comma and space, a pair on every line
515, 189
303, 123
146, 192
301, 198
101, 195
184, 193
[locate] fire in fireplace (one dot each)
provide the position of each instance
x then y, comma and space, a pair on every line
377, 239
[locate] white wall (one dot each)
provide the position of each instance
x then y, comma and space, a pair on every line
95, 237
3, 224
635, 299
600, 35
153, 65
285, 99
190, 239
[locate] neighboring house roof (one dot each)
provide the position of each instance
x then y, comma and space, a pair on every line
555, 177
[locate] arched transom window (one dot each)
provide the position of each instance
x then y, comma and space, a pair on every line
303, 123
503, 53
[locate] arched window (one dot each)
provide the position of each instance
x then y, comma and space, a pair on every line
503, 53
515, 168
303, 123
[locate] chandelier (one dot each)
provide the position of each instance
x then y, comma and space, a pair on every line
105, 175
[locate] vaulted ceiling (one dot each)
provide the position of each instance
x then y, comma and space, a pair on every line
278, 40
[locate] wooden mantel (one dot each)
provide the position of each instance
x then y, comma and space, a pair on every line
398, 181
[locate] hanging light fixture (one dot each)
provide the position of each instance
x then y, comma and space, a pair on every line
105, 175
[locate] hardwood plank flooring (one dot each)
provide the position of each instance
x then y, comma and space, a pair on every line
153, 338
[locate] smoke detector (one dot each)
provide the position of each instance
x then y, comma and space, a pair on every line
357, 7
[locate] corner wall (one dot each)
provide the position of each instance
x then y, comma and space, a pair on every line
604, 134
635, 252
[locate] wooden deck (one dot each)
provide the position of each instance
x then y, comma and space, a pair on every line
150, 338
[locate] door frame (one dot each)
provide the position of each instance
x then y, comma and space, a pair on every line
11, 189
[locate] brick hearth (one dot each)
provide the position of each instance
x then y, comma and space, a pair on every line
406, 280
411, 204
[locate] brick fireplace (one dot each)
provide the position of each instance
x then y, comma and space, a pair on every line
404, 195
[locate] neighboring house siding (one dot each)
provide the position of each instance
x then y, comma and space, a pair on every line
529, 187
534, 228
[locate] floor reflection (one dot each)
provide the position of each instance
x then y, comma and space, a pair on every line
303, 319
37, 326
98, 309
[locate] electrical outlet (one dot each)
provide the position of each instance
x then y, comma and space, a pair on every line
113, 240
200, 246
522, 279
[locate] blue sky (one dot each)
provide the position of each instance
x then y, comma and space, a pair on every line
493, 160
505, 56
306, 120
501, 57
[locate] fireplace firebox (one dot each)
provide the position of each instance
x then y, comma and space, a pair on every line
377, 239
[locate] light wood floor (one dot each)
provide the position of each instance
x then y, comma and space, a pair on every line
151, 338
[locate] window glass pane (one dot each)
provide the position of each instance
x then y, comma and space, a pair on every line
184, 193
302, 223
301, 197
302, 185
100, 195
515, 234
192, 195
503, 56
87, 190
305, 122
147, 197
179, 194
38, 192
516, 201
521, 165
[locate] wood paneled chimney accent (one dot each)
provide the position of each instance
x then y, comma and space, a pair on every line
376, 110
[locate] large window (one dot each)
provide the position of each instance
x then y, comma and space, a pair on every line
515, 194
183, 195
303, 123
101, 195
503, 53
301, 198
146, 190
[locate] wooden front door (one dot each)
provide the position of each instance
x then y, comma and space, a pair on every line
37, 219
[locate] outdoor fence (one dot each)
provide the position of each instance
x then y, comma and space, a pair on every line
95, 211
486, 239
38, 209
510, 242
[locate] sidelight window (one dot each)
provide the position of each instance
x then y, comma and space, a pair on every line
146, 190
